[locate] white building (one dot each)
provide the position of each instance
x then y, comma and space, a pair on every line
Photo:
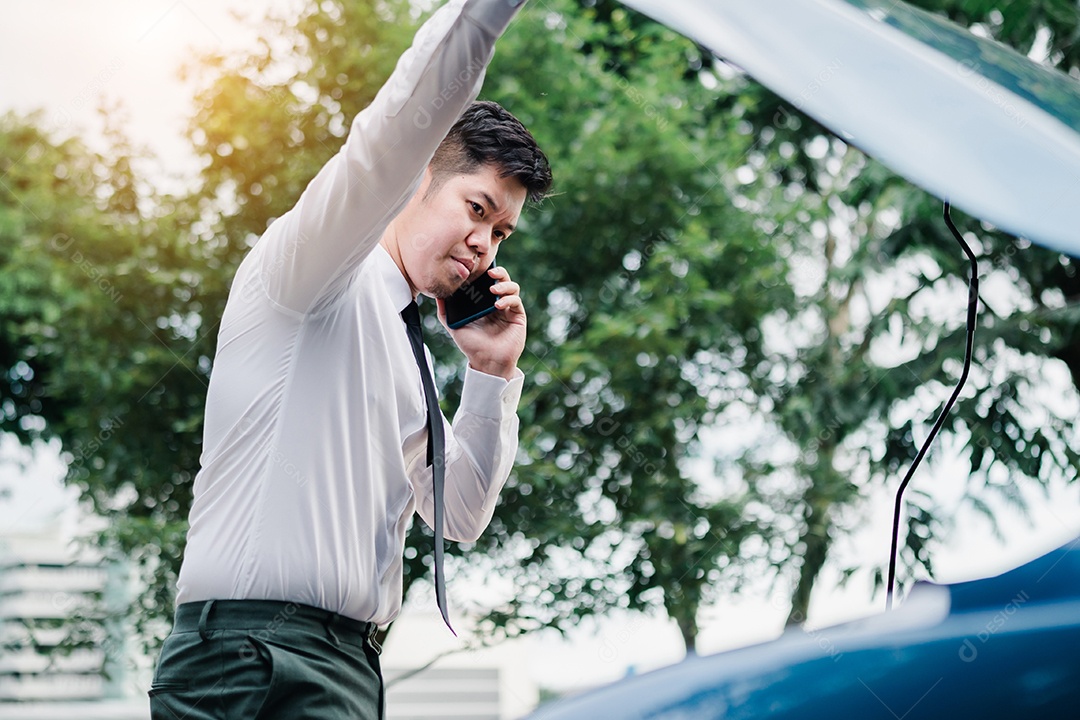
53, 590
491, 683
50, 589
43, 582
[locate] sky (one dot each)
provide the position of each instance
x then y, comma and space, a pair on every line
63, 56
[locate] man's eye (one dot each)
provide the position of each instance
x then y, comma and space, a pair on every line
477, 208
500, 234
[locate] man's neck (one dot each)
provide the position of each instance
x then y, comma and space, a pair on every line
390, 242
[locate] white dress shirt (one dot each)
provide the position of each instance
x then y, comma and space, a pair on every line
315, 444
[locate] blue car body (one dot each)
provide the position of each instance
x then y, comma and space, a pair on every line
1002, 648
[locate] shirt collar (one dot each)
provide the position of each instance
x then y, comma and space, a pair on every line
396, 285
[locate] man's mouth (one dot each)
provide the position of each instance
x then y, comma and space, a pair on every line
465, 267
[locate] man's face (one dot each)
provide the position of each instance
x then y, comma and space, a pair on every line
450, 235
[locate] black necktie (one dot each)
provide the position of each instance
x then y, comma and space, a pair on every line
436, 447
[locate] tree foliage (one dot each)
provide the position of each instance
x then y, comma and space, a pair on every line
712, 262
99, 306
866, 367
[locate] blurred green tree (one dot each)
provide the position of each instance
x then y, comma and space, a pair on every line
98, 314
860, 371
705, 263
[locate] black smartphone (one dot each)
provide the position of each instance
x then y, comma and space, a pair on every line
471, 301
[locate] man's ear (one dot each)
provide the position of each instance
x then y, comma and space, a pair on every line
426, 183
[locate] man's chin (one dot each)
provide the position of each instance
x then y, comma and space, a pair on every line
445, 290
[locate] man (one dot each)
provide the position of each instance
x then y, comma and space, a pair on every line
316, 448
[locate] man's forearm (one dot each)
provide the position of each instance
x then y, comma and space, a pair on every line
481, 449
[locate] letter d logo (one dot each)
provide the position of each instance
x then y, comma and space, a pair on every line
422, 119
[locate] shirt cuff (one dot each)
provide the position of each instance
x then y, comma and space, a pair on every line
491, 396
493, 15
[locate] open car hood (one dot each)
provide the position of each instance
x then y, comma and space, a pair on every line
968, 119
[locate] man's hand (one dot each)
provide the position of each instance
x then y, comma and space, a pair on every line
494, 343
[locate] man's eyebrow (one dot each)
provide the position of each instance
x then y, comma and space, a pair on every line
490, 201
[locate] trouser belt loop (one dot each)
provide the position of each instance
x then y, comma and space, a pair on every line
202, 619
328, 623
373, 630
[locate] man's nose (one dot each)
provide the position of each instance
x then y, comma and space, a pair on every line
480, 240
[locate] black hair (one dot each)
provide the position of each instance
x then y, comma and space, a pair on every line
487, 134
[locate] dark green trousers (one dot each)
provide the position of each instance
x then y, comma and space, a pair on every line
264, 659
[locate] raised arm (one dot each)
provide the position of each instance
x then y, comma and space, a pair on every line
306, 256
